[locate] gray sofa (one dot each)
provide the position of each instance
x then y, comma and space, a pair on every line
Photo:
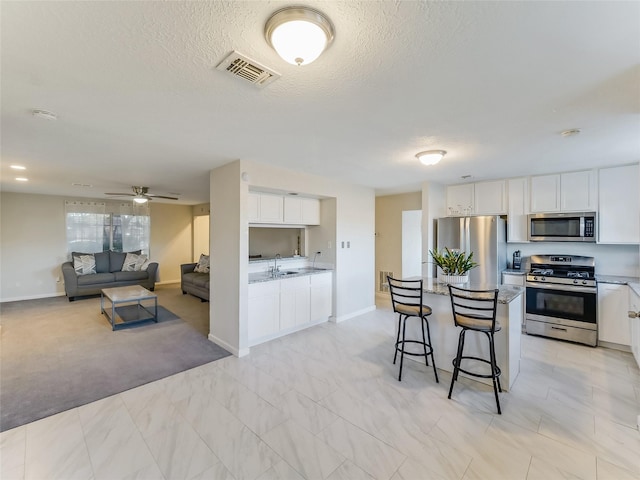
195, 283
108, 274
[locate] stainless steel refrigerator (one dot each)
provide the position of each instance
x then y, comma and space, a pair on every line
485, 237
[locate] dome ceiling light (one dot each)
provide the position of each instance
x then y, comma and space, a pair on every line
299, 34
430, 157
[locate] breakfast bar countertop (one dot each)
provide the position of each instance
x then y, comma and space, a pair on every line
506, 293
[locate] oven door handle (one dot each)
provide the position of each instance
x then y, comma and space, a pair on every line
564, 288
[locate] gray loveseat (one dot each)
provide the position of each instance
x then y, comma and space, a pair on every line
195, 283
108, 274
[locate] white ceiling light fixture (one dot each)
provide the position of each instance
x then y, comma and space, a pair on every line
140, 199
430, 157
299, 34
22, 179
18, 167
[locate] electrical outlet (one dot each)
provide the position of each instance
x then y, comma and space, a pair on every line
342, 245
348, 244
329, 244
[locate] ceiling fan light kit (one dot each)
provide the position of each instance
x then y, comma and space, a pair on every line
141, 195
299, 34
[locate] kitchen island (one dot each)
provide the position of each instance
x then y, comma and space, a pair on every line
444, 334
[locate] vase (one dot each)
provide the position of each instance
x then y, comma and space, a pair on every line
453, 279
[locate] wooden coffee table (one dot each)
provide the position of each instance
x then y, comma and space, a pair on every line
128, 305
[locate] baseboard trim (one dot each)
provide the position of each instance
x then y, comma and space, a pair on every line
234, 351
357, 313
33, 297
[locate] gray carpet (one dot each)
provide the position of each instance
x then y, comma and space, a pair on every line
57, 355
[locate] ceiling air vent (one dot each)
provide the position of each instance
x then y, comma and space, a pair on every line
241, 66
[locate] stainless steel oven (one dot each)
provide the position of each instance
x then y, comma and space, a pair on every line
561, 300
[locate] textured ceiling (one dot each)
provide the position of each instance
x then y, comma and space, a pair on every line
140, 102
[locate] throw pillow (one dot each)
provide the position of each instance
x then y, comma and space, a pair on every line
135, 263
84, 264
203, 264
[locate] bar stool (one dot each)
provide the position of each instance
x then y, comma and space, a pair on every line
406, 297
476, 310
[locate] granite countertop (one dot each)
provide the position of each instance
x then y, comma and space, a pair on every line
506, 293
617, 279
270, 259
514, 272
293, 273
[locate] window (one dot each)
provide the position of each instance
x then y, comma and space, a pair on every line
96, 227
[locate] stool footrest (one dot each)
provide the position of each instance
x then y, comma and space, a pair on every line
478, 359
421, 354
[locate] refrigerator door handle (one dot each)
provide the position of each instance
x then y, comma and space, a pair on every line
467, 235
462, 241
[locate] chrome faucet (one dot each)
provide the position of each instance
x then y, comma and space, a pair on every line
313, 265
275, 264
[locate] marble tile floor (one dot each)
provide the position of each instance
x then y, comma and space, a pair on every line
325, 403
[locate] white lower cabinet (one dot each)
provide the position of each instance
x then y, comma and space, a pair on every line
613, 319
321, 294
634, 319
263, 309
295, 302
278, 307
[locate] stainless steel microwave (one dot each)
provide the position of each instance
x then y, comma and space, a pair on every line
562, 227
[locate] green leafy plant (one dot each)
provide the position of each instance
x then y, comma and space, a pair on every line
453, 262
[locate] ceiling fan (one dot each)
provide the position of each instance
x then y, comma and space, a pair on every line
141, 195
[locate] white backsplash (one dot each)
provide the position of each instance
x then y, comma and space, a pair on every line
620, 260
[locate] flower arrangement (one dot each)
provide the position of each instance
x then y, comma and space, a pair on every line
453, 262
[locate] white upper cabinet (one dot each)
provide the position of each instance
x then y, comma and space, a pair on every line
566, 192
490, 198
292, 210
578, 191
619, 205
460, 199
254, 207
264, 208
301, 211
518, 209
545, 193
310, 211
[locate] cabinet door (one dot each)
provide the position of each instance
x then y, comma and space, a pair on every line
295, 302
578, 191
293, 210
613, 319
517, 228
263, 309
321, 296
254, 208
634, 311
545, 193
310, 211
271, 209
490, 198
512, 279
619, 205
460, 199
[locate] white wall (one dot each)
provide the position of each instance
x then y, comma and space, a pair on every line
33, 243
354, 222
434, 199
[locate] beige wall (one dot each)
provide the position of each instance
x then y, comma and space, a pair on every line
389, 210
33, 243
171, 239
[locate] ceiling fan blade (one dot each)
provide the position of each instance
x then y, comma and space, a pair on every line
161, 196
121, 194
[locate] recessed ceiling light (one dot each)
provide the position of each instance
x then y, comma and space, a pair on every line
45, 114
18, 167
430, 157
22, 179
570, 133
